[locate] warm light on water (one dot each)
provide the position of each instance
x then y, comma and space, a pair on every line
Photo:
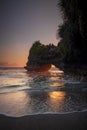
56, 70
57, 84
23, 93
57, 100
53, 66
56, 96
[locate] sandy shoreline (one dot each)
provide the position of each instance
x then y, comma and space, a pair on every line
69, 121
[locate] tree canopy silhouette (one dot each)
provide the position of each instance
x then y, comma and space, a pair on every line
73, 31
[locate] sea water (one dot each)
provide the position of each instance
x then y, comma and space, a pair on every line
24, 93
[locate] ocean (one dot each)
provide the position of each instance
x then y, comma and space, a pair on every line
27, 93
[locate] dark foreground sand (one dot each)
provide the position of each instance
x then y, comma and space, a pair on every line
71, 121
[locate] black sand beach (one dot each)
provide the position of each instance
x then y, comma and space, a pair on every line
69, 121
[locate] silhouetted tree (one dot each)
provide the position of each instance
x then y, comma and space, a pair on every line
73, 31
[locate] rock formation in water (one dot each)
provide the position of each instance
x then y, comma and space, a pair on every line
42, 56
71, 52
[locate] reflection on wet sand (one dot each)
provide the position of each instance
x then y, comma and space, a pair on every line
57, 100
38, 102
46, 101
14, 103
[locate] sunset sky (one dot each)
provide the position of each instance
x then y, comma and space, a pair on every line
21, 23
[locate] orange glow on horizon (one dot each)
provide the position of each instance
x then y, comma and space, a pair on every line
16, 56
15, 64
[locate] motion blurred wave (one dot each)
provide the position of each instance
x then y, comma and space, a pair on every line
22, 92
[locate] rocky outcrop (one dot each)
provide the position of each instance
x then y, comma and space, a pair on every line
42, 56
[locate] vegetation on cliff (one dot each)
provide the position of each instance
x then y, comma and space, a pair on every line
42, 54
72, 48
73, 32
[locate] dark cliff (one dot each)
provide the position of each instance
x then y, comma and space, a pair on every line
71, 52
42, 54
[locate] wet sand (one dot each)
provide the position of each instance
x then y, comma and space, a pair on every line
69, 121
